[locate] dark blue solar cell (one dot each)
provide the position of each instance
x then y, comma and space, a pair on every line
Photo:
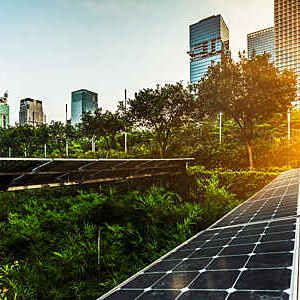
271, 279
205, 236
282, 222
179, 254
193, 245
231, 229
245, 240
255, 226
224, 235
163, 266
228, 262
215, 280
217, 243
286, 213
176, 280
281, 228
271, 260
124, 295
279, 246
254, 295
143, 281
203, 295
206, 252
278, 236
193, 264
250, 232
160, 295
237, 250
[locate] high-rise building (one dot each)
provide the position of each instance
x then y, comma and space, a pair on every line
261, 42
83, 101
287, 37
4, 111
209, 39
31, 112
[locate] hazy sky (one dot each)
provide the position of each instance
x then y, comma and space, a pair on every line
50, 48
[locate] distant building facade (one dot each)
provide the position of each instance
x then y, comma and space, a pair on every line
31, 112
261, 42
209, 39
4, 111
83, 101
287, 37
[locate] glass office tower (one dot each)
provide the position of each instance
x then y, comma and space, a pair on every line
31, 112
209, 38
83, 101
287, 37
261, 42
4, 111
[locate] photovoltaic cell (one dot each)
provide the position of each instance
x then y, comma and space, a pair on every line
252, 253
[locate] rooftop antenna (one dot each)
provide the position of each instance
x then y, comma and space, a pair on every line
125, 142
4, 98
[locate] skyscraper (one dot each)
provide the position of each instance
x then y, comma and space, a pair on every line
83, 101
31, 112
261, 42
4, 111
209, 38
287, 36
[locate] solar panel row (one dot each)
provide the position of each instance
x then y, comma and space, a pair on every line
26, 172
265, 205
229, 263
252, 253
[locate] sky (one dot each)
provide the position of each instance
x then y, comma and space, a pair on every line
50, 48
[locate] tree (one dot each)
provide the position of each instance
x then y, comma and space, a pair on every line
163, 110
57, 136
105, 125
251, 92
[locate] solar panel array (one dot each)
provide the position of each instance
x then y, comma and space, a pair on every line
16, 172
251, 253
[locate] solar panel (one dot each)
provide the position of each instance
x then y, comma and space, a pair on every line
16, 173
252, 253
228, 263
270, 203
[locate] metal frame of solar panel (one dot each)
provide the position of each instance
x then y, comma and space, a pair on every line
250, 253
19, 173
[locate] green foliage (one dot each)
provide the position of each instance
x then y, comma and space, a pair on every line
163, 110
250, 92
241, 183
217, 200
102, 124
48, 245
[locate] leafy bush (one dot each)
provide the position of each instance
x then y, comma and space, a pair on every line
49, 238
241, 183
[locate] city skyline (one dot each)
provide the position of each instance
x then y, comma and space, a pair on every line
49, 50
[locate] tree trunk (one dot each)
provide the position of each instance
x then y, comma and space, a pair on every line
161, 151
113, 142
250, 155
161, 147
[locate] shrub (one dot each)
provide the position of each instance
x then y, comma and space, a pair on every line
241, 183
53, 233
